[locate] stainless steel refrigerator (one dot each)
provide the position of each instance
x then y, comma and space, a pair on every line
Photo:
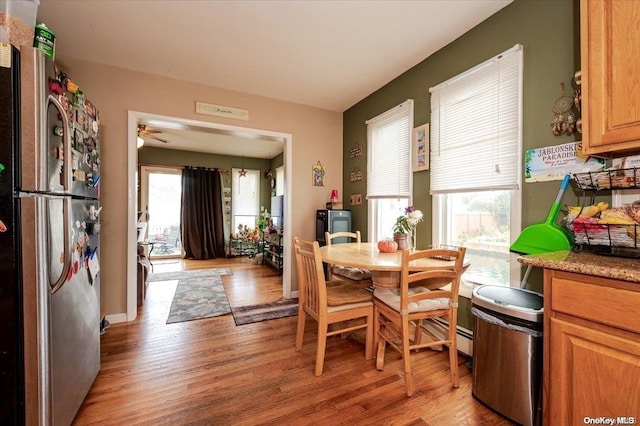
49, 241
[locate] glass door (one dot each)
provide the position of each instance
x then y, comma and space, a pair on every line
161, 194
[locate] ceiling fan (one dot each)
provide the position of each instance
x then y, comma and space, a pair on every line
143, 132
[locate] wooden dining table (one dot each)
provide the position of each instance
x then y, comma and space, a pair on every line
385, 267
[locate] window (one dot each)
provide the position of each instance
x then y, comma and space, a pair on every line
280, 180
476, 165
389, 182
245, 199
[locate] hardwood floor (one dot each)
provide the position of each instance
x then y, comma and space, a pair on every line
212, 372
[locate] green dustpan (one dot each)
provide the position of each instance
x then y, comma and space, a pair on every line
547, 236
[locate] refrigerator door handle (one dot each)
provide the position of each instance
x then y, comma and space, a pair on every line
67, 249
66, 168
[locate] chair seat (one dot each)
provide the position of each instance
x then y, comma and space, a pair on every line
355, 274
345, 294
391, 298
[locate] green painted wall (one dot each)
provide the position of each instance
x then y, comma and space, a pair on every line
549, 32
170, 157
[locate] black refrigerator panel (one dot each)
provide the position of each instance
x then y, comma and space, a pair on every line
11, 347
332, 221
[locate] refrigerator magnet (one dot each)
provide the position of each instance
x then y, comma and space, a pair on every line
3, 227
94, 266
91, 110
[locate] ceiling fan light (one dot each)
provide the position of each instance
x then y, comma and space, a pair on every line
140, 142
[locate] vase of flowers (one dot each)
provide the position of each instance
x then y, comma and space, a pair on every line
405, 227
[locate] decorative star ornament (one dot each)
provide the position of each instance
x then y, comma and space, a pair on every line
242, 173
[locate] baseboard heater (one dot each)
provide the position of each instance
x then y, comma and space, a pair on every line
465, 337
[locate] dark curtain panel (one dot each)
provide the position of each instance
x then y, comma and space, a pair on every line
201, 214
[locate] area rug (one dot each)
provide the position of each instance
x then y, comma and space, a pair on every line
199, 294
266, 311
169, 276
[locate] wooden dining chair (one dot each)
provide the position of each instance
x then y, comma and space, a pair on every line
396, 311
332, 305
357, 276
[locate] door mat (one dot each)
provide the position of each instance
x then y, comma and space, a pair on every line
265, 311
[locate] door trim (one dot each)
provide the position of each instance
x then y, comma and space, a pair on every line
132, 154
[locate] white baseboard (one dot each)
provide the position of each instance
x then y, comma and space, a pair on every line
465, 338
116, 318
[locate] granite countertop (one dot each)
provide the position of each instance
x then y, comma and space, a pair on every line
620, 268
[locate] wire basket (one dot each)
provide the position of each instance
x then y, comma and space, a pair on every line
609, 179
615, 240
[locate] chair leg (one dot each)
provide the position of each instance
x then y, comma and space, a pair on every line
368, 345
379, 340
406, 357
453, 359
323, 328
376, 327
382, 347
417, 339
300, 329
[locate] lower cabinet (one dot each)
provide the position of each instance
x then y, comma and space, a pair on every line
592, 350
272, 250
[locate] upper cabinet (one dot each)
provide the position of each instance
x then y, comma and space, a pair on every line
610, 50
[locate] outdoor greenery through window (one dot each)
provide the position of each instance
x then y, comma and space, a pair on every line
161, 192
389, 180
476, 170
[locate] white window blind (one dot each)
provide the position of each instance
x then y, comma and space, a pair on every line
389, 152
280, 180
475, 127
245, 201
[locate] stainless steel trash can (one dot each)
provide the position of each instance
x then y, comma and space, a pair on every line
507, 351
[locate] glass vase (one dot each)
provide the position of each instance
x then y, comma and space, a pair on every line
413, 239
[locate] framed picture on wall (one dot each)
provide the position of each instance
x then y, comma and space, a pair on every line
318, 174
420, 150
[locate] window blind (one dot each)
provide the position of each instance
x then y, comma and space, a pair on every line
389, 152
246, 192
476, 127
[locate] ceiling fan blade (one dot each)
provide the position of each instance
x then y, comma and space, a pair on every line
159, 139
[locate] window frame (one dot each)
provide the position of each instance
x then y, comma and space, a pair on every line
440, 214
402, 111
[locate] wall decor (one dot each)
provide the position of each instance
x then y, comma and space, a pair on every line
222, 111
355, 150
554, 162
565, 120
356, 175
318, 174
356, 199
420, 150
577, 99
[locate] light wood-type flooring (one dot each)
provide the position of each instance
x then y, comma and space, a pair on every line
212, 372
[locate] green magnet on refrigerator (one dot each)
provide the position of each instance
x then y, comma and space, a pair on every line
2, 167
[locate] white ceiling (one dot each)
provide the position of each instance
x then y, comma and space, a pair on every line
325, 54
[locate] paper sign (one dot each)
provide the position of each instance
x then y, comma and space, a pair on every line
94, 265
554, 162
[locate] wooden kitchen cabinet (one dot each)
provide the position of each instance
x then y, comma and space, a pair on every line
610, 56
591, 349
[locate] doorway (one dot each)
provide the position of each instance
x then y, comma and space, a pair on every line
160, 187
136, 117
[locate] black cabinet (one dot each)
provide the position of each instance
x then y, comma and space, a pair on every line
332, 221
272, 250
